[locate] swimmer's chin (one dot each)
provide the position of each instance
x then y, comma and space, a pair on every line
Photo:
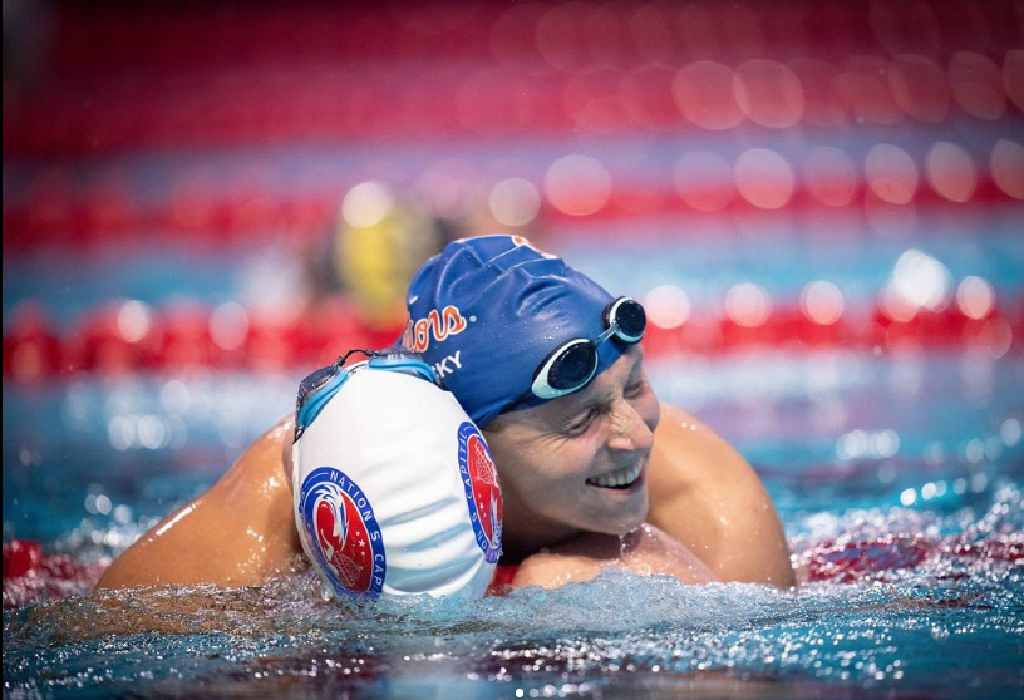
624, 521
622, 526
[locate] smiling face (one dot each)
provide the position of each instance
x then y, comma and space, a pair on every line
579, 462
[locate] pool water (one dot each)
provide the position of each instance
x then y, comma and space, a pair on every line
898, 477
170, 166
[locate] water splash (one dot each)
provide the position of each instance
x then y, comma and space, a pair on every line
916, 551
955, 616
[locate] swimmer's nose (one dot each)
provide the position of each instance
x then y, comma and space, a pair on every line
629, 430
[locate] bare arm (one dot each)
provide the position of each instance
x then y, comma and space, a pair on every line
239, 533
647, 551
704, 494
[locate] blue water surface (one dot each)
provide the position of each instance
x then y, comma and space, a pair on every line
852, 447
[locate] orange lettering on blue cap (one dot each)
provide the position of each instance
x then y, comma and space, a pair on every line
440, 325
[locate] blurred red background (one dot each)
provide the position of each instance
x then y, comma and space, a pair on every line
133, 131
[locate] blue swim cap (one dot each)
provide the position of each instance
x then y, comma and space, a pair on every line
487, 311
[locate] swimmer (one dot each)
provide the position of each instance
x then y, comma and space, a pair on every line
550, 367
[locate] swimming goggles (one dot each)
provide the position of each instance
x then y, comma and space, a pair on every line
571, 366
318, 388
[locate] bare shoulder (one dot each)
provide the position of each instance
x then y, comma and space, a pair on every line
681, 434
549, 570
647, 551
238, 532
578, 559
705, 494
689, 456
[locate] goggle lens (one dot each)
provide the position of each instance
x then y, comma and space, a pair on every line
572, 367
316, 380
631, 320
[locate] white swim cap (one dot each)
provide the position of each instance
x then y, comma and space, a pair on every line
395, 489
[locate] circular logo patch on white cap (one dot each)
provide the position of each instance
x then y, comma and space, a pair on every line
342, 532
483, 493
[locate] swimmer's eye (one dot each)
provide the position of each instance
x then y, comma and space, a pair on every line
634, 390
583, 423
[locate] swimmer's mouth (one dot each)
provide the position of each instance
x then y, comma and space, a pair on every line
622, 479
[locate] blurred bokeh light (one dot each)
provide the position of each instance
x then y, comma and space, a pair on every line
777, 161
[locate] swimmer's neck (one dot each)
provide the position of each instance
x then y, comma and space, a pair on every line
525, 533
593, 545
517, 552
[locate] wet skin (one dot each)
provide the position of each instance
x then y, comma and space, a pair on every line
704, 507
707, 515
239, 533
